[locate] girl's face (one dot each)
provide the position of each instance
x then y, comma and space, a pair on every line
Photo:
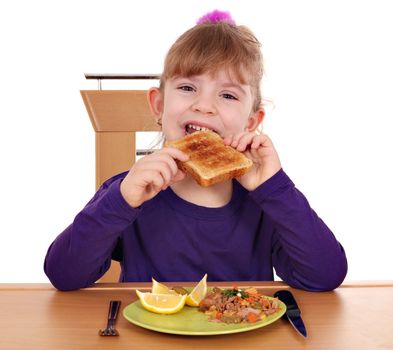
203, 102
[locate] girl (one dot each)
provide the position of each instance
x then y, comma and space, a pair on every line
158, 222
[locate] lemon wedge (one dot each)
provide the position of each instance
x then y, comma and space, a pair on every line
198, 293
162, 303
160, 288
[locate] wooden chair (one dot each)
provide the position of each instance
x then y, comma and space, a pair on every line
116, 116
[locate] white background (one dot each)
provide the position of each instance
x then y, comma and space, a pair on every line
329, 75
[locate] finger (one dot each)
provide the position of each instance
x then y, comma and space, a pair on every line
236, 138
244, 141
254, 153
162, 162
158, 182
180, 175
152, 181
166, 156
228, 139
175, 153
258, 141
166, 173
167, 168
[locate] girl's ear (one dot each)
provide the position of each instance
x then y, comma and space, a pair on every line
255, 119
156, 102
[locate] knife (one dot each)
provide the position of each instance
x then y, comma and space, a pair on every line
293, 312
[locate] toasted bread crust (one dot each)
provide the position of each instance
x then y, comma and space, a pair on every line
211, 161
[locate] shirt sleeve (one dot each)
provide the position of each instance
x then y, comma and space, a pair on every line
305, 253
82, 253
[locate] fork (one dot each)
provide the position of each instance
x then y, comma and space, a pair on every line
110, 329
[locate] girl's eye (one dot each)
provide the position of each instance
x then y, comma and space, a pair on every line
229, 96
186, 88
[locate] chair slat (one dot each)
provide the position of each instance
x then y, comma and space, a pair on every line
119, 110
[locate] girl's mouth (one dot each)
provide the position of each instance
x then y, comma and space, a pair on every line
190, 128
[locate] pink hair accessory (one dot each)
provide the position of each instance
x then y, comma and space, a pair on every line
217, 16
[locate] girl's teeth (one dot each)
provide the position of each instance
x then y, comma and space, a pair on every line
196, 127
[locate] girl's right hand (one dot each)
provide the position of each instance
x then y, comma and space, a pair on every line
152, 174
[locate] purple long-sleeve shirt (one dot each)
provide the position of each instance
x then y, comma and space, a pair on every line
173, 240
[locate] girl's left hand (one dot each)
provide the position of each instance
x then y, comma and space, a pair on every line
260, 149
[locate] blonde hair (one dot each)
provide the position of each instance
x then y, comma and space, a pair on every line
208, 47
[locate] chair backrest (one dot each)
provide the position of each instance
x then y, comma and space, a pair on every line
116, 115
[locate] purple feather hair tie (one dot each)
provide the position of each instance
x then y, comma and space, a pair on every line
217, 16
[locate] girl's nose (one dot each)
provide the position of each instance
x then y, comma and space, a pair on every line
204, 105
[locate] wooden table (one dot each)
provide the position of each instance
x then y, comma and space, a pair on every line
36, 316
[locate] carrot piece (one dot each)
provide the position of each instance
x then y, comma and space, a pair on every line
251, 317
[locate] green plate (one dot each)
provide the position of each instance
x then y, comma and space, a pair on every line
190, 321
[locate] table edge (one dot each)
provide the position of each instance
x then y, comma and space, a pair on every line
147, 285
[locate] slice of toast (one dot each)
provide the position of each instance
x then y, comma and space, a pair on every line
211, 161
